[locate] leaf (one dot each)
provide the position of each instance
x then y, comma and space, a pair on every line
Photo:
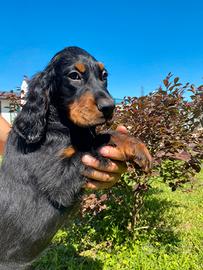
165, 82
183, 155
160, 154
176, 80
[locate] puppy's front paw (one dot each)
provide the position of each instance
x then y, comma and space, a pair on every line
132, 149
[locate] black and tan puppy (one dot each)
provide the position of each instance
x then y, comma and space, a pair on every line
40, 178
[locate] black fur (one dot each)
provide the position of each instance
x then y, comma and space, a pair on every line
39, 187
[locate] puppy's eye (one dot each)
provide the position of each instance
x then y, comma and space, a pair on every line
75, 76
104, 75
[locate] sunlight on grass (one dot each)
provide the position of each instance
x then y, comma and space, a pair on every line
173, 241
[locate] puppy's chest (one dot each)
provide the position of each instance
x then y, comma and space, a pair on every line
86, 143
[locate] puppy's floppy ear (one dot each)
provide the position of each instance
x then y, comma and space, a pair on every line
30, 124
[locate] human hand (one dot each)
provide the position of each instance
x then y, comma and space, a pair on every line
103, 177
125, 148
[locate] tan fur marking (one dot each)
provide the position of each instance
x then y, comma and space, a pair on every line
84, 111
80, 67
68, 152
101, 66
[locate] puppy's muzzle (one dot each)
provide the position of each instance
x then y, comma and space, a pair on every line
106, 106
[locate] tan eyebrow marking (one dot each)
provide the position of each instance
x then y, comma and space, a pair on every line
80, 67
101, 66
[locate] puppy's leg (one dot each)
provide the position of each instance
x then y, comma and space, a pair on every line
131, 148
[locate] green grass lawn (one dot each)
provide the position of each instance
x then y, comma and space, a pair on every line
172, 238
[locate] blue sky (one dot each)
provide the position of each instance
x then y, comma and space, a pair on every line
139, 41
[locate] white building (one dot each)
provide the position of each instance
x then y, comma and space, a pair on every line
24, 89
9, 100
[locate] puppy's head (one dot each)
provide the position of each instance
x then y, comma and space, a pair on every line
82, 93
76, 84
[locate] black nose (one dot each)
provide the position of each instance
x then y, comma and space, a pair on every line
106, 107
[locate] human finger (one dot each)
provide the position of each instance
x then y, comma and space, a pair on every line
122, 129
100, 176
112, 153
111, 166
